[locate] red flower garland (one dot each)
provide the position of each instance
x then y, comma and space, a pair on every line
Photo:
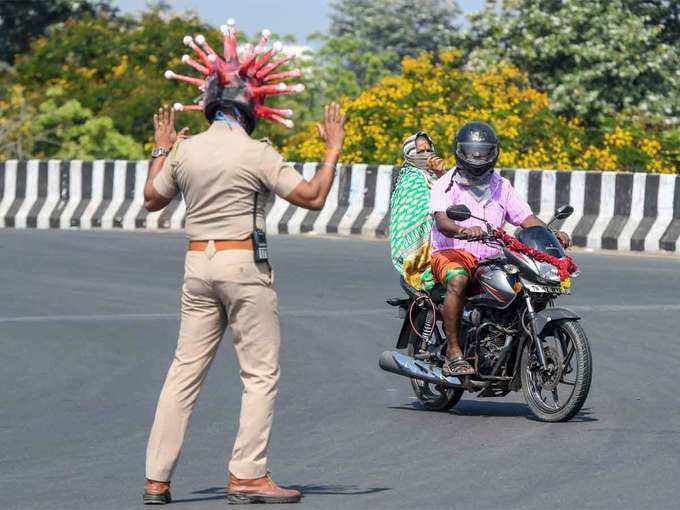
565, 266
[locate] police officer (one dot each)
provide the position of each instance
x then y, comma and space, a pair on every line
226, 178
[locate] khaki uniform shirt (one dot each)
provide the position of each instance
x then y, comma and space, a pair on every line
218, 172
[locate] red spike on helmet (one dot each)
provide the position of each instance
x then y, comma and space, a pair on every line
244, 84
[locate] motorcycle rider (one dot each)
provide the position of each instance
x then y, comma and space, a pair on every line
474, 183
410, 219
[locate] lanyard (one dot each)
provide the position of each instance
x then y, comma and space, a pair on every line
226, 118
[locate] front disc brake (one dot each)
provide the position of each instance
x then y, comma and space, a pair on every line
550, 378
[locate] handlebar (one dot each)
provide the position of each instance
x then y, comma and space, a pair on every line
485, 237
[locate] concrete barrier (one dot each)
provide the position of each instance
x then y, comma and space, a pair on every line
618, 211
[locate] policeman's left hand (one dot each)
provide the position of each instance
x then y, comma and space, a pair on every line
333, 129
164, 122
563, 238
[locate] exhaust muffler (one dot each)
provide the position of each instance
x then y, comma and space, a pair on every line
398, 363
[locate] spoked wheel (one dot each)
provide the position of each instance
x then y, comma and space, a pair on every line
433, 397
558, 393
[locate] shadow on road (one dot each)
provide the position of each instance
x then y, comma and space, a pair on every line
494, 410
343, 490
216, 493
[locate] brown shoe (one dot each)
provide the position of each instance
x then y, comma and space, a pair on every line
156, 493
259, 490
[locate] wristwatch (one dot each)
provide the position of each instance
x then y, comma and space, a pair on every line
159, 151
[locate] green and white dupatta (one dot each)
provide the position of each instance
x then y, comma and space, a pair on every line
410, 227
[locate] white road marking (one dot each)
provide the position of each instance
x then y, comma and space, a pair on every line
313, 313
94, 317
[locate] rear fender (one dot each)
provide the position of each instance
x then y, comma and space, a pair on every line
545, 317
402, 341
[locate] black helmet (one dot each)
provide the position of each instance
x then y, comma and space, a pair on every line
476, 147
237, 95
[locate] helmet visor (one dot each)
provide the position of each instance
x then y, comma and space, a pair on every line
477, 153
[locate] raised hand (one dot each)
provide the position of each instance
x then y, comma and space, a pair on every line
333, 129
164, 123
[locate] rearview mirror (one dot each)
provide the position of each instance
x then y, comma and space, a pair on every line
562, 213
458, 212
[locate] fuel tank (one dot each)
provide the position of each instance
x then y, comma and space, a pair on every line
492, 287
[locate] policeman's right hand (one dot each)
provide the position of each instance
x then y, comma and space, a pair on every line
333, 129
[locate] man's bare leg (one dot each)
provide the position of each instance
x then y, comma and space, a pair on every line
453, 309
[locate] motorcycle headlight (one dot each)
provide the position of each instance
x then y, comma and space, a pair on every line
549, 273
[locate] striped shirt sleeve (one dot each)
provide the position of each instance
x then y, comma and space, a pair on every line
516, 208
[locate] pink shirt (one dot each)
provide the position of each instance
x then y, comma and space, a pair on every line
505, 204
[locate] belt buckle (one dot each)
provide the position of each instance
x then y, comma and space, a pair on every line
210, 250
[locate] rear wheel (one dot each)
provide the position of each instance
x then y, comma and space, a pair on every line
433, 397
558, 393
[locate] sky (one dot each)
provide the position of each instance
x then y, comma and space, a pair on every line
298, 17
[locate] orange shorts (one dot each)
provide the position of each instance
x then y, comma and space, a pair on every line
448, 263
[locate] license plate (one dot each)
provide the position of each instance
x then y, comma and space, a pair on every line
545, 289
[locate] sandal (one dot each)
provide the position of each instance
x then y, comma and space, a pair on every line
456, 367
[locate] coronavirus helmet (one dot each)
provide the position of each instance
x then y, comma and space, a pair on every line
476, 147
241, 83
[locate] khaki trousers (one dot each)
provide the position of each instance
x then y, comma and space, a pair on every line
220, 288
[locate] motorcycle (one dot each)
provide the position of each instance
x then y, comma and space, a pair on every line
510, 331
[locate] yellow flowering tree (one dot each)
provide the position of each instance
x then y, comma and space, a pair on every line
440, 97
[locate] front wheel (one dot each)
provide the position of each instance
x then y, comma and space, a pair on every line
434, 398
558, 393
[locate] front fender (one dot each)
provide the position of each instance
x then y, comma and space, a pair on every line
545, 317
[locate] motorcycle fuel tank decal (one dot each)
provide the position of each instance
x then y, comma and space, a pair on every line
497, 290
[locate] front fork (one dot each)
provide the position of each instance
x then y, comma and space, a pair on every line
534, 334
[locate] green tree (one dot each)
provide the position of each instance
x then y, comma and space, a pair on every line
440, 97
368, 40
60, 128
663, 14
114, 66
23, 20
594, 57
64, 129
380, 33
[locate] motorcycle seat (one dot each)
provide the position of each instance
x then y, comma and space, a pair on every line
411, 292
436, 294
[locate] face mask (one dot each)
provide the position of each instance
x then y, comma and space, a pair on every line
419, 160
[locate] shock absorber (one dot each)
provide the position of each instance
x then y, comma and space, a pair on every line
428, 327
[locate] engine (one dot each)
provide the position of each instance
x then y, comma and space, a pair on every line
490, 346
